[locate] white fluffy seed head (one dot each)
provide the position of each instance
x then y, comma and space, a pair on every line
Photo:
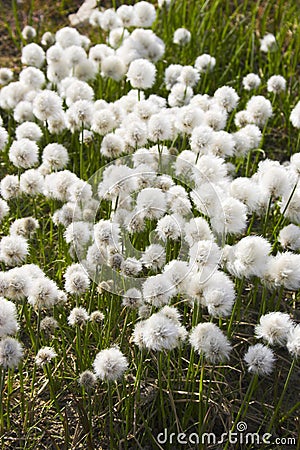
158, 290
56, 156
260, 359
110, 364
13, 250
24, 153
295, 116
181, 36
251, 81
268, 43
8, 318
293, 343
205, 63
11, 353
208, 339
289, 237
45, 356
274, 328
141, 74
276, 84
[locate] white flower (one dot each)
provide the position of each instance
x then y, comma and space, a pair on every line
74, 55
131, 267
245, 190
260, 110
172, 74
291, 206
15, 283
33, 55
132, 298
205, 63
8, 318
227, 98
268, 43
188, 118
209, 169
289, 237
189, 76
141, 74
13, 250
276, 84
79, 115
103, 121
31, 182
159, 128
144, 14
4, 209
260, 359
232, 218
12, 94
76, 90
216, 118
32, 77
205, 254
3, 138
45, 356
178, 271
284, 270
113, 67
207, 199
107, 233
57, 184
170, 227
182, 36
10, 187
29, 130
11, 352
250, 256
112, 146
197, 229
78, 316
77, 281
47, 39
24, 153
127, 15
109, 20
43, 293
293, 343
110, 364
6, 75
201, 139
158, 290
159, 332
154, 257
251, 81
67, 36
295, 116
152, 202
219, 295
56, 156
24, 227
116, 37
208, 339
47, 104
274, 328
180, 95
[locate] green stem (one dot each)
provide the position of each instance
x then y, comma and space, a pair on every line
244, 406
275, 414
